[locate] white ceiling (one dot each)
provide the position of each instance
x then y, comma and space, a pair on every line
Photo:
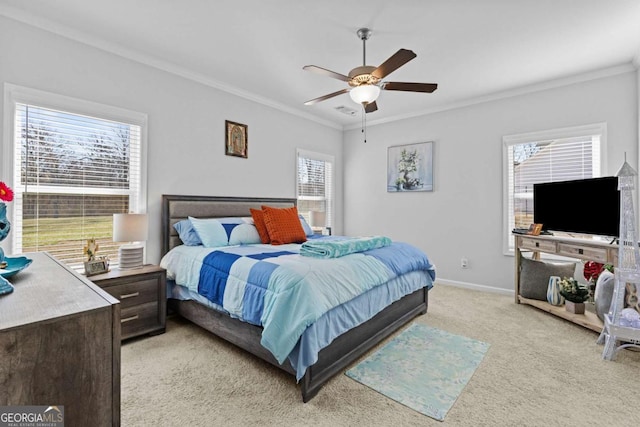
473, 49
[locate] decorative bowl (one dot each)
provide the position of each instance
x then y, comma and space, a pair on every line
15, 265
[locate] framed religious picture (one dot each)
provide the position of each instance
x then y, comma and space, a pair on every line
236, 140
534, 229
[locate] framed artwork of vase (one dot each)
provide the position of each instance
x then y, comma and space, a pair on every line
410, 167
236, 141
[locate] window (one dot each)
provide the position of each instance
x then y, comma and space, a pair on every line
74, 165
315, 188
548, 156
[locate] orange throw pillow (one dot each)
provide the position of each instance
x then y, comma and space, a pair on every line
283, 225
258, 221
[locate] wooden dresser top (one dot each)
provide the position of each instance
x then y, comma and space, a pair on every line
48, 290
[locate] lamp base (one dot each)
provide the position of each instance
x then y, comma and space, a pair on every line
131, 256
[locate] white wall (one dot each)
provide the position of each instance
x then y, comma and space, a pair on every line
462, 217
186, 121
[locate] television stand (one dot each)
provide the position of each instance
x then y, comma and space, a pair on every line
570, 247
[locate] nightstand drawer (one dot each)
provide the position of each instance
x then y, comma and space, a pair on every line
142, 295
139, 319
135, 293
590, 254
538, 245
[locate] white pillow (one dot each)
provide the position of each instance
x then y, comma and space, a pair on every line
244, 234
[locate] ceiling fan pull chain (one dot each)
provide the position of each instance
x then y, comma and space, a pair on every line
364, 122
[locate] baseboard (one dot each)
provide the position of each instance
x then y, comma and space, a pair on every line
475, 286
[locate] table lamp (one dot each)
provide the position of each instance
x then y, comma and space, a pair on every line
131, 228
318, 219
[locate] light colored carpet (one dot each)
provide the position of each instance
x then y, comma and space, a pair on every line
539, 370
423, 367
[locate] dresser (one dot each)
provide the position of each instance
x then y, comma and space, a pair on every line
60, 344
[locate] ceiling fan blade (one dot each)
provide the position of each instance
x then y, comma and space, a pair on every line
410, 87
325, 72
396, 61
322, 98
371, 107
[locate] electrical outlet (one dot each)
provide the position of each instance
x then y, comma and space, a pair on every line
464, 263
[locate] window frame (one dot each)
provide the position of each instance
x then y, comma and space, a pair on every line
532, 137
328, 158
14, 94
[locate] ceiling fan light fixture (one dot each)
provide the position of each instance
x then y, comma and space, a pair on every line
364, 94
366, 82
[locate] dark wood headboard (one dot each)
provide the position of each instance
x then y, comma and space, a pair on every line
178, 207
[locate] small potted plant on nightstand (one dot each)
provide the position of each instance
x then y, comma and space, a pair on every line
575, 294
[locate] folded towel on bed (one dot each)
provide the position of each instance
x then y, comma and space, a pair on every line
341, 247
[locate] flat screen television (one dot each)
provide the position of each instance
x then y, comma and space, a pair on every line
585, 206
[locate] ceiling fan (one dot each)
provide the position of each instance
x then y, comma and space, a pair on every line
366, 81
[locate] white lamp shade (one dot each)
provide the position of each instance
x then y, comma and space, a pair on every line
130, 227
364, 93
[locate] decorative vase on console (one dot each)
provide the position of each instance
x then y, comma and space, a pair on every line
553, 291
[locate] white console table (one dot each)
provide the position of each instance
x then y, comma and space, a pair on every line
583, 249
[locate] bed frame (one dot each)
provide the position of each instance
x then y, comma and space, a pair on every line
334, 358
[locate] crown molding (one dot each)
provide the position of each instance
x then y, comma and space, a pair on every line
523, 90
136, 56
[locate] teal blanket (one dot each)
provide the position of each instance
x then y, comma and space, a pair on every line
341, 247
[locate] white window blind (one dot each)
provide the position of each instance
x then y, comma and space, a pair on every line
550, 156
315, 187
72, 172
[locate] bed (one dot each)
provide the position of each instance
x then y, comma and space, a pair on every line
329, 360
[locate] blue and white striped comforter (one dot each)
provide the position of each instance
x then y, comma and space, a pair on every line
277, 288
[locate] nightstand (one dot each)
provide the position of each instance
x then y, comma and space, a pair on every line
143, 298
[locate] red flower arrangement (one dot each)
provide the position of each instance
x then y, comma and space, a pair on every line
592, 271
6, 193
